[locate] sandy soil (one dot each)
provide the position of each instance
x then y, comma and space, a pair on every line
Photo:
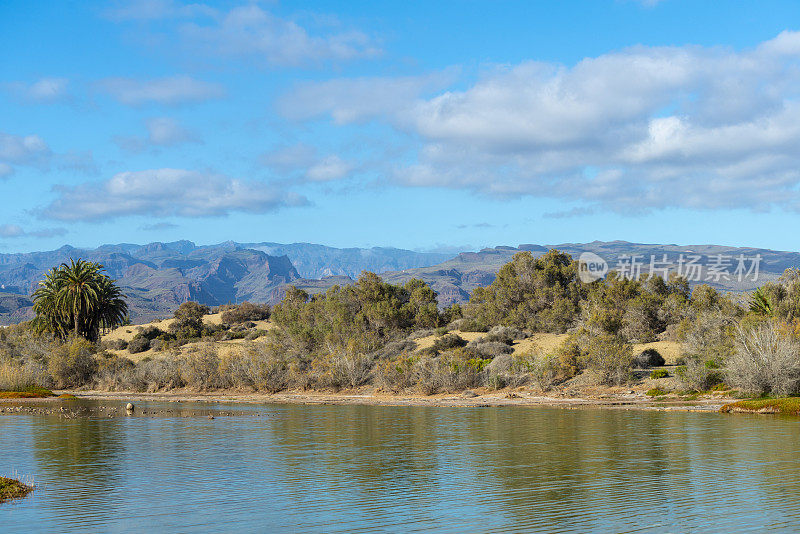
476, 398
548, 343
127, 333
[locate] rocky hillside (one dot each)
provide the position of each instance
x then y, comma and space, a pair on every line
160, 276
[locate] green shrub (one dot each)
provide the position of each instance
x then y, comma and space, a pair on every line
468, 324
490, 349
571, 358
139, 343
659, 373
649, 358
397, 374
698, 374
656, 392
244, 312
115, 344
504, 334
611, 356
448, 341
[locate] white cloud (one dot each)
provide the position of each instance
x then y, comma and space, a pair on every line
359, 99
170, 91
22, 150
304, 161
637, 129
246, 32
11, 231
161, 132
290, 158
164, 193
164, 131
330, 168
251, 32
44, 90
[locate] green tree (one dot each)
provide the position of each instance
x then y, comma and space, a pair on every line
189, 320
78, 298
541, 294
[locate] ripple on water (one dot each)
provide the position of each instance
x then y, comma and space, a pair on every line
403, 469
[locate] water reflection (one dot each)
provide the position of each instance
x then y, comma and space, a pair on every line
358, 468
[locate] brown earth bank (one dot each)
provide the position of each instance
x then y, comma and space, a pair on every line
472, 398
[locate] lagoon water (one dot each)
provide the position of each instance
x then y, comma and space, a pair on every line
295, 468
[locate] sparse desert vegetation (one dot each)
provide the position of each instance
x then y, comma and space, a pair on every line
536, 326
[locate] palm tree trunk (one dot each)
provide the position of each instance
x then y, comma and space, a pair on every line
77, 323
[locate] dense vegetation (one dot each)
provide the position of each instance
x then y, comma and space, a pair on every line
368, 332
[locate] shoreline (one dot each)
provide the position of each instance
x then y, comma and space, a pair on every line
493, 399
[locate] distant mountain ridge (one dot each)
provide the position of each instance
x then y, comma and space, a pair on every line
158, 277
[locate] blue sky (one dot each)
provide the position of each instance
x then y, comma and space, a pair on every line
422, 125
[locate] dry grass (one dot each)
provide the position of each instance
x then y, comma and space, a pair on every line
32, 393
544, 342
670, 350
127, 333
11, 488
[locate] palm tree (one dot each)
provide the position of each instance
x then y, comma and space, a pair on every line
79, 298
48, 316
112, 310
760, 303
78, 294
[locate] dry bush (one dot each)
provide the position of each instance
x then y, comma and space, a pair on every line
138, 344
520, 369
201, 368
114, 344
260, 367
157, 375
571, 358
341, 369
490, 349
16, 376
454, 370
244, 312
611, 356
23, 344
765, 362
73, 364
544, 369
697, 374
113, 373
447, 342
710, 336
504, 334
395, 349
649, 358
397, 374
467, 324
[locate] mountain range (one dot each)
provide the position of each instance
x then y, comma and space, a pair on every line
158, 277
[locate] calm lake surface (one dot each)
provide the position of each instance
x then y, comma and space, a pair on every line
294, 468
